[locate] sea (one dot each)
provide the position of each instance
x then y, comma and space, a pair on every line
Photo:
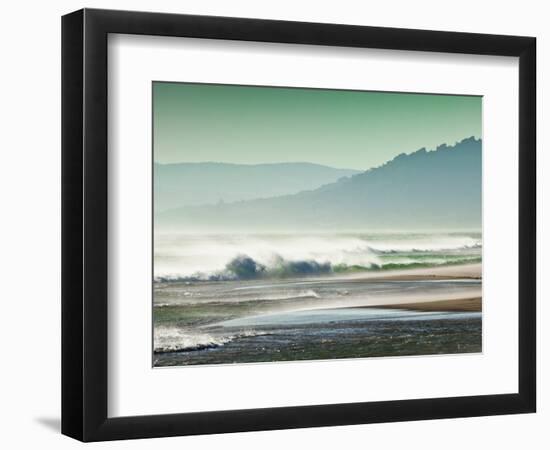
270, 297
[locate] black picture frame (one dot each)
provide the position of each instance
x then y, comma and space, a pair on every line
84, 224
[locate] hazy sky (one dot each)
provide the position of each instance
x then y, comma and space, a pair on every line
347, 129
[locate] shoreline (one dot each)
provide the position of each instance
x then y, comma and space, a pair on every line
458, 303
445, 272
472, 304
466, 296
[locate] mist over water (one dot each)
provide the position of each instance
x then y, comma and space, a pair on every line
243, 256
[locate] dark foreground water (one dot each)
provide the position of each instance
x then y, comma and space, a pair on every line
228, 322
353, 339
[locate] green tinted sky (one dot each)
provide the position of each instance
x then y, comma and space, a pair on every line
351, 129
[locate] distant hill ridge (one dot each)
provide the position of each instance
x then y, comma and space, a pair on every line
420, 190
203, 183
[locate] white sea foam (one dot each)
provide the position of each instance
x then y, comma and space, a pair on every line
205, 257
308, 293
173, 339
426, 244
186, 255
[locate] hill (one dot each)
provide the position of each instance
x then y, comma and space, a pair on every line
423, 190
186, 184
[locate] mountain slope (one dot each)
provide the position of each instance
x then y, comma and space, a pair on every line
185, 184
422, 190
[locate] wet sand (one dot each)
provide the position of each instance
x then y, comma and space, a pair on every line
450, 272
457, 305
456, 302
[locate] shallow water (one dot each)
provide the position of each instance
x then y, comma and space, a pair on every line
237, 322
347, 339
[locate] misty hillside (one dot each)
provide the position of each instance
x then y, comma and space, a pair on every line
184, 184
421, 190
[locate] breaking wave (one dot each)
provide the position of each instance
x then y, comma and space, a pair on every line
221, 258
412, 248
172, 339
244, 267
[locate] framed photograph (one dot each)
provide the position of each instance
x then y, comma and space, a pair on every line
273, 224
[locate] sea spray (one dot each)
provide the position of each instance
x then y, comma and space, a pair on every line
169, 339
264, 256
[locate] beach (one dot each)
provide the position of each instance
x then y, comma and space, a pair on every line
469, 271
450, 303
420, 311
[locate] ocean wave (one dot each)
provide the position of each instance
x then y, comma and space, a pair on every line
289, 295
420, 265
170, 339
198, 258
243, 267
308, 293
415, 248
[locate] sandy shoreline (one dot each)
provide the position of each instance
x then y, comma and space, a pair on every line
450, 272
464, 302
455, 305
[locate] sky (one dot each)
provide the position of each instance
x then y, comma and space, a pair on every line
337, 128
